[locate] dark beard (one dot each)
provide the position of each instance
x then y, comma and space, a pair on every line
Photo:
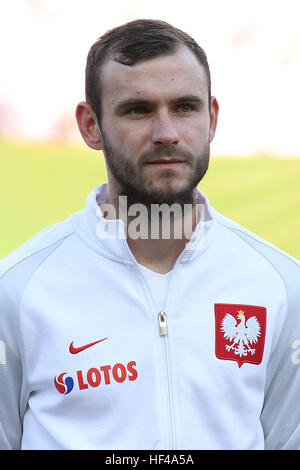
137, 190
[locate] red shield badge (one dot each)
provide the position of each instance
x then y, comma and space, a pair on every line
240, 332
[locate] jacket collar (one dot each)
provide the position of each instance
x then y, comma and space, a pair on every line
107, 237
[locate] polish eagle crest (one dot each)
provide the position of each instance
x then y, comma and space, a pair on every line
240, 333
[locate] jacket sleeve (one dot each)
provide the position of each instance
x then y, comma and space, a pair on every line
281, 411
11, 371
15, 272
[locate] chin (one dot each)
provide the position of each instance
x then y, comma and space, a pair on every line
176, 194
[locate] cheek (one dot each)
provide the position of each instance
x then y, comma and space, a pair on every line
195, 135
134, 138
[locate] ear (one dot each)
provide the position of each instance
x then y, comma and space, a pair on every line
214, 113
88, 126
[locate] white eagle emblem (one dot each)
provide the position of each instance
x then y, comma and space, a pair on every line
241, 335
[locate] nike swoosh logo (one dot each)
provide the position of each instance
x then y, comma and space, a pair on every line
74, 350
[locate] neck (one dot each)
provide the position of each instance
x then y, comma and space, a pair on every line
158, 235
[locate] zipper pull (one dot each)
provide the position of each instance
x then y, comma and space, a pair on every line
162, 319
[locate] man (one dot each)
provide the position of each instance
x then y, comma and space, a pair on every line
120, 334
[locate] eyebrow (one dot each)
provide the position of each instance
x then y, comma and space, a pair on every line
142, 102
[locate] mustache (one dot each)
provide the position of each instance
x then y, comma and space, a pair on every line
164, 151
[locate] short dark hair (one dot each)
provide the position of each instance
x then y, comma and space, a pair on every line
131, 42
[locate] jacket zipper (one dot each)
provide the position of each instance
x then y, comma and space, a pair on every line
162, 320
163, 330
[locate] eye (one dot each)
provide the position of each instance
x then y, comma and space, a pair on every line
137, 110
185, 108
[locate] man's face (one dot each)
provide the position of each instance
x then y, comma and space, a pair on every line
156, 127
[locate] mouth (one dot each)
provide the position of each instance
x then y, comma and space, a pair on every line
167, 163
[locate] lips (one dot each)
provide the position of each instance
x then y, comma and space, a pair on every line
167, 163
164, 161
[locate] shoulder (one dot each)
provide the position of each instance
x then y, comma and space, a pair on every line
286, 266
269, 250
37, 248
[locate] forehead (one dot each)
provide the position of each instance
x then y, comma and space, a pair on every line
157, 78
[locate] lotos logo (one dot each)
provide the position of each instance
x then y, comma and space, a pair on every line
96, 376
64, 385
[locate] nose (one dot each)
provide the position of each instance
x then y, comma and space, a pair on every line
164, 131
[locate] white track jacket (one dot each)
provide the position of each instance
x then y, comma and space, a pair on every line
88, 361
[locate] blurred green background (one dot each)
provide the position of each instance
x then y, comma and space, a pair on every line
42, 184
